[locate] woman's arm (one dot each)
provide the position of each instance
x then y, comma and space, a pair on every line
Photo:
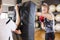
17, 16
42, 25
17, 20
38, 13
44, 15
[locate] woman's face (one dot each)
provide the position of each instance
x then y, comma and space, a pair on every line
44, 9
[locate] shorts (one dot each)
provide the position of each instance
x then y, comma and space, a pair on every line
50, 36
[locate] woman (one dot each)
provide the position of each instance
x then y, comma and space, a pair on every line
6, 26
47, 22
17, 32
17, 19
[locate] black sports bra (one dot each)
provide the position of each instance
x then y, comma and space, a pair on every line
48, 22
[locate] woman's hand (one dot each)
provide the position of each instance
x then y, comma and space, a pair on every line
17, 31
16, 7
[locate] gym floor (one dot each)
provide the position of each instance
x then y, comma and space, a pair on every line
40, 35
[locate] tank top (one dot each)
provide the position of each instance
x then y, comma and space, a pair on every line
48, 25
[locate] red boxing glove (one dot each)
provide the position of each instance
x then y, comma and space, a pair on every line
41, 18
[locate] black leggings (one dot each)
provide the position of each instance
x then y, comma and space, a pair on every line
49, 36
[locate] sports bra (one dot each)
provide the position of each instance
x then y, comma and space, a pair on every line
48, 25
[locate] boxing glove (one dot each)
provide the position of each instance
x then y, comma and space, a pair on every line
41, 18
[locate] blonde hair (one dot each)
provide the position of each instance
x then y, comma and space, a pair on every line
46, 5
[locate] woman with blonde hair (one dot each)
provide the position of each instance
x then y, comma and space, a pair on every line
47, 22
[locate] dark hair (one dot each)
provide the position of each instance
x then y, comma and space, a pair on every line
0, 3
18, 1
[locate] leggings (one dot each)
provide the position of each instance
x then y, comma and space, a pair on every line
49, 36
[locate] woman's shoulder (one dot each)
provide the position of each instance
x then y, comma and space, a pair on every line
50, 16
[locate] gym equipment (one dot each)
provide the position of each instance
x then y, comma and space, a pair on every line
58, 8
36, 17
57, 18
52, 8
57, 28
28, 20
36, 24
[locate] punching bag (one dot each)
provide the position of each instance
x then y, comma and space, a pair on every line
28, 20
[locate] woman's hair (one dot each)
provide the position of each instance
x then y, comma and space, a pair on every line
0, 3
46, 5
